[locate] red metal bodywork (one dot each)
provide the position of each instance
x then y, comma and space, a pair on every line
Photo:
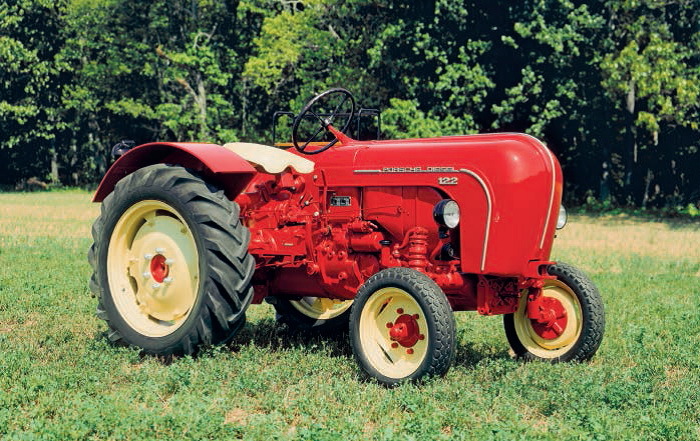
368, 205
213, 161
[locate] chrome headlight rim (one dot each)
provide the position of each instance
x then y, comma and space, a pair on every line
562, 217
446, 213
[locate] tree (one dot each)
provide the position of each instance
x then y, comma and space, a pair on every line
30, 86
652, 76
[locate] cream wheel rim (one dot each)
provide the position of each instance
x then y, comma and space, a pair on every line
551, 347
153, 268
321, 308
393, 333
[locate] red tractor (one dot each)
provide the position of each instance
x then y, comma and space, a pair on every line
387, 237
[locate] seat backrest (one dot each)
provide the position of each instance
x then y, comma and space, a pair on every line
270, 159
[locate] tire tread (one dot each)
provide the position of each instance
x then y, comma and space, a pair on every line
593, 316
225, 241
440, 358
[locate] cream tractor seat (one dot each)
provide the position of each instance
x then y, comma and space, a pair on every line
271, 159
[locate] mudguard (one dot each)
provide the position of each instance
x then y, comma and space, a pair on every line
218, 165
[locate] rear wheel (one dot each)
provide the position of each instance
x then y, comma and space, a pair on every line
570, 324
313, 313
171, 264
402, 327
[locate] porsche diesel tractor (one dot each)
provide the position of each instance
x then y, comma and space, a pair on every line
385, 238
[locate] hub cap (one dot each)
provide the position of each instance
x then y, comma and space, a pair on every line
394, 332
557, 325
153, 268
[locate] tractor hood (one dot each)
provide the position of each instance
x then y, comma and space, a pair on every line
508, 187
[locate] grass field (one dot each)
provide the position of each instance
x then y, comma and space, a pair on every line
61, 379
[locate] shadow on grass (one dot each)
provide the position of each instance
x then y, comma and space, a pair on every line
269, 334
470, 354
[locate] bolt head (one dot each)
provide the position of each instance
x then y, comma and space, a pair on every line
168, 280
155, 285
148, 256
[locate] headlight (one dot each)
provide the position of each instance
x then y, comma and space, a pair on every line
561, 220
446, 213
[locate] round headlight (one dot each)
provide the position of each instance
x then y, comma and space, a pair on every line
446, 213
561, 220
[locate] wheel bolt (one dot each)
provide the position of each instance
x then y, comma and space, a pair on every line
394, 345
148, 256
146, 275
169, 261
155, 285
416, 316
389, 325
409, 351
160, 250
168, 280
421, 337
399, 311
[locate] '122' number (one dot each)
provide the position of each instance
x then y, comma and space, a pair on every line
447, 180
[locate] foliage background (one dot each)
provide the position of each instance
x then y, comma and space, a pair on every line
612, 86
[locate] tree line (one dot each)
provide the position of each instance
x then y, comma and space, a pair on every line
612, 86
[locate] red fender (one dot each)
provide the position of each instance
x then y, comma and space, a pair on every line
217, 164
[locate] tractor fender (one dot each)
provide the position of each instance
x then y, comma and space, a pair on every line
218, 165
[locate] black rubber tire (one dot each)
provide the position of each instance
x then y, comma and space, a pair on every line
440, 348
300, 322
225, 267
592, 313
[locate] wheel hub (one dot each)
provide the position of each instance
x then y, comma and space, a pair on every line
548, 317
153, 268
159, 268
405, 331
165, 289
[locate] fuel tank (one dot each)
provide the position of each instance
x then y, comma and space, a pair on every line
508, 187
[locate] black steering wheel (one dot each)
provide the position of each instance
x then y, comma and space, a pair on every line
325, 107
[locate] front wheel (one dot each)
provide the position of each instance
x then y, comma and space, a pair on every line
171, 264
570, 324
402, 327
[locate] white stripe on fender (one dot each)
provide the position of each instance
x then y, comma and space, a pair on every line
488, 213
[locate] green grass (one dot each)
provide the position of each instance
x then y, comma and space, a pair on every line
61, 379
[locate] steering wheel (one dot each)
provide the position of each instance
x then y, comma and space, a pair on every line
324, 108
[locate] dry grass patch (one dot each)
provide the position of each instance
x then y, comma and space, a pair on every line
625, 236
11, 326
50, 214
237, 416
